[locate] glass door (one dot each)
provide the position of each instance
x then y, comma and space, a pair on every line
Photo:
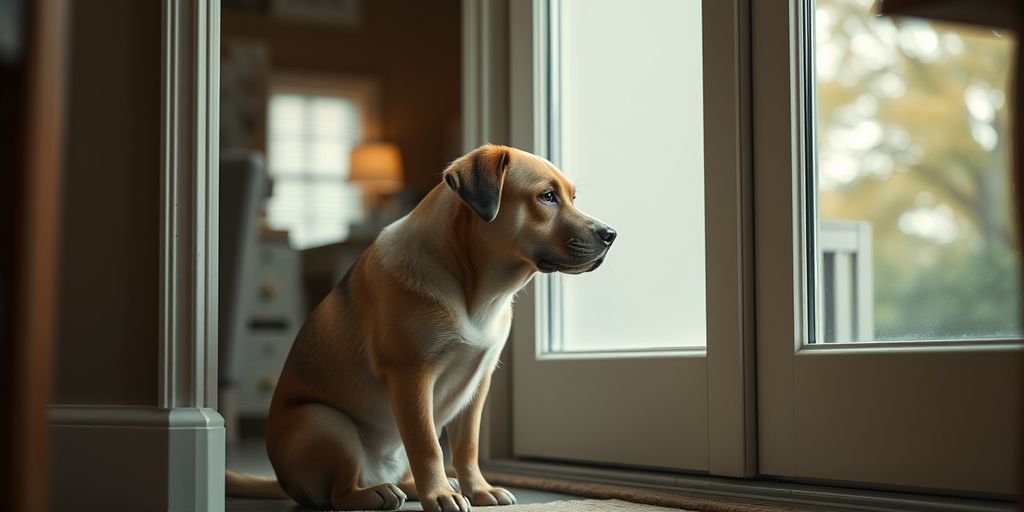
888, 281
644, 361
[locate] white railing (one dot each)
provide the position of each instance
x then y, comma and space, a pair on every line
846, 282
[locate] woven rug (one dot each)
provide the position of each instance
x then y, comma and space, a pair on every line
582, 506
630, 496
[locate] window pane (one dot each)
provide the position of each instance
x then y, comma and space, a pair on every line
309, 143
287, 154
287, 113
328, 157
333, 117
916, 235
631, 138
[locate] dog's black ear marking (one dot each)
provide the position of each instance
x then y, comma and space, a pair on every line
478, 178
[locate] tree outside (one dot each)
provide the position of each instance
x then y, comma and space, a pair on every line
913, 130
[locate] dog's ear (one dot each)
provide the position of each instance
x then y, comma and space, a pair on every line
478, 178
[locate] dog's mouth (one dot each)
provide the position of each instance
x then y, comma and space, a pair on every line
547, 266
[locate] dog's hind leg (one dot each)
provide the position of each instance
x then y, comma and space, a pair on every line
318, 457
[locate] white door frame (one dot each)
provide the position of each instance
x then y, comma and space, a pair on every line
730, 358
168, 455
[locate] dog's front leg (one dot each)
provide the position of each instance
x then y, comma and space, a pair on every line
464, 433
412, 403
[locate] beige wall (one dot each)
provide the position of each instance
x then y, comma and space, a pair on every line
109, 288
412, 47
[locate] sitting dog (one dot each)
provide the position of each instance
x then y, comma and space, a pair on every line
405, 344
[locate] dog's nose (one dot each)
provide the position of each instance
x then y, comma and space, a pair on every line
606, 234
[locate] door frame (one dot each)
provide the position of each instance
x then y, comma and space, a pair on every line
800, 418
493, 107
169, 452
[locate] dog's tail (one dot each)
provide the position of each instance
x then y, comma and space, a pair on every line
251, 486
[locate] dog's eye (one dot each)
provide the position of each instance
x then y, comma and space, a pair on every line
548, 197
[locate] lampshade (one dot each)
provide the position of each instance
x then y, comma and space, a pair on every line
376, 166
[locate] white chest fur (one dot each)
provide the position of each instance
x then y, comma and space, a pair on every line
466, 364
490, 325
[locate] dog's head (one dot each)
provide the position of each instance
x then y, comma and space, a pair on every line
523, 206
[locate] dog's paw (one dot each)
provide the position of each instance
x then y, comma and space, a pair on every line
447, 500
377, 497
492, 496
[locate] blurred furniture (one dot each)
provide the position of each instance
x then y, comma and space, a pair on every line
261, 307
270, 313
324, 266
243, 185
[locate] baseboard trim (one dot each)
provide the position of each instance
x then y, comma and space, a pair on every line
752, 491
143, 458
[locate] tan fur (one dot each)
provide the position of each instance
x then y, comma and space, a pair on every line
406, 343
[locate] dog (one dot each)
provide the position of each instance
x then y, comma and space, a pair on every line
406, 342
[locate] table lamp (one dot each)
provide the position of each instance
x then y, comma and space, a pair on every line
376, 167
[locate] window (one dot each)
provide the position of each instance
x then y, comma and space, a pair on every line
312, 129
915, 239
621, 89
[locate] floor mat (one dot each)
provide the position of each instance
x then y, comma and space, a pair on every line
657, 500
582, 506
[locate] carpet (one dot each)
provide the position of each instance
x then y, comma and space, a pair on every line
582, 506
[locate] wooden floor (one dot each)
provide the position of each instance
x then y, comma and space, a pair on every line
250, 457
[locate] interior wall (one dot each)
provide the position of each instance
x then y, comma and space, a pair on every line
412, 47
108, 285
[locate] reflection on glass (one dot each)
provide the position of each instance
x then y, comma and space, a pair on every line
916, 238
631, 137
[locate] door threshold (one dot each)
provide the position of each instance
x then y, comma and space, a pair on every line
758, 491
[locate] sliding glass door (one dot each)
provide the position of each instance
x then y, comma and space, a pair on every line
889, 330
812, 181
643, 362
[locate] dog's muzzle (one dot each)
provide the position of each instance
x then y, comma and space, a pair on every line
581, 254
547, 266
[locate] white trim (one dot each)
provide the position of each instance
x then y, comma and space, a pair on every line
189, 203
878, 347
191, 432
152, 458
133, 416
582, 355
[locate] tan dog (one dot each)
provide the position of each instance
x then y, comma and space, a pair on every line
406, 342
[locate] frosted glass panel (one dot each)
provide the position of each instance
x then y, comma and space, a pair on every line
630, 104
